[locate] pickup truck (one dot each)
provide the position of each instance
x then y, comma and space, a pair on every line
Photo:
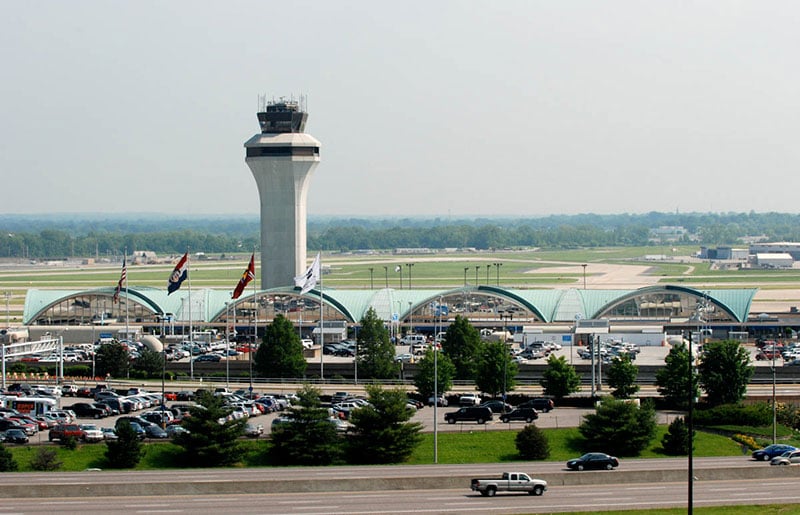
509, 482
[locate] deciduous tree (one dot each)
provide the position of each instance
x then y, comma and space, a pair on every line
462, 345
724, 372
559, 378
622, 377
445, 372
496, 372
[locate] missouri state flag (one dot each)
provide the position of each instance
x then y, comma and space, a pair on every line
247, 276
178, 275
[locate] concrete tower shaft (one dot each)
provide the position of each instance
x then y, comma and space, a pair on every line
282, 162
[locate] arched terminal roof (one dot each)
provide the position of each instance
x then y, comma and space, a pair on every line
209, 305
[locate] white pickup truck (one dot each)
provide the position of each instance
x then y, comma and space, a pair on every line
509, 482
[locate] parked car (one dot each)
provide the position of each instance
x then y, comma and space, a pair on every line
498, 406
92, 433
253, 430
211, 358
526, 414
62, 431
154, 431
539, 404
771, 451
16, 436
469, 399
109, 433
174, 430
86, 410
442, 401
787, 458
471, 413
593, 460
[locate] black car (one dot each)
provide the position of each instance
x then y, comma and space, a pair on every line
542, 404
16, 436
526, 414
497, 406
472, 413
211, 358
86, 410
593, 461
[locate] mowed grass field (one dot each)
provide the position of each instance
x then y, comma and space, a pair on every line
516, 269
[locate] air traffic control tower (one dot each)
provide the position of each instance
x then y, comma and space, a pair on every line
282, 159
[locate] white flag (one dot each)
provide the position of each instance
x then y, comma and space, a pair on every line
308, 280
398, 268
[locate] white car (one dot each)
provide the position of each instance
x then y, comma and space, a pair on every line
307, 343
469, 399
92, 433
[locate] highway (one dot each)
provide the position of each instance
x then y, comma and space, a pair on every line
592, 491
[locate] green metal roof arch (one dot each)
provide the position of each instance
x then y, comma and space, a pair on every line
58, 296
516, 297
735, 303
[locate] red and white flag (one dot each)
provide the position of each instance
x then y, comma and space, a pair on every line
247, 276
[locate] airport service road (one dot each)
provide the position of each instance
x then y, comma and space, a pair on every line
588, 498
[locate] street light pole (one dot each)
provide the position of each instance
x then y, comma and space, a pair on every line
498, 265
371, 284
487, 274
386, 274
505, 317
584, 275
477, 267
465, 275
409, 265
8, 311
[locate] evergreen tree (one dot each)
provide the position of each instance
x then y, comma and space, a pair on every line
496, 372
445, 371
112, 359
532, 443
211, 439
126, 451
150, 362
7, 462
381, 431
308, 437
622, 377
676, 440
281, 351
673, 380
375, 349
619, 427
462, 345
724, 372
559, 379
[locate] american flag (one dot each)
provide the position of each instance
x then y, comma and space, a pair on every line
122, 278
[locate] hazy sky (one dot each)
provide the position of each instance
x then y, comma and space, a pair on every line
431, 108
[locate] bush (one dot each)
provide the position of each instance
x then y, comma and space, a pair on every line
746, 441
69, 443
7, 463
45, 460
676, 440
532, 443
755, 415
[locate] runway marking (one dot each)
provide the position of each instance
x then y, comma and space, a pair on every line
55, 503
301, 501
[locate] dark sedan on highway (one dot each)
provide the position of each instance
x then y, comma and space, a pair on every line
593, 461
771, 451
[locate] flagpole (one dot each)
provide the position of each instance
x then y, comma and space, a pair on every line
191, 328
127, 303
321, 324
255, 325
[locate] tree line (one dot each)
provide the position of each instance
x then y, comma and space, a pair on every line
45, 237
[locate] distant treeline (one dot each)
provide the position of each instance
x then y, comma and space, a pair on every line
59, 236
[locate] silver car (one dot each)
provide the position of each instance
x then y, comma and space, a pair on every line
787, 458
